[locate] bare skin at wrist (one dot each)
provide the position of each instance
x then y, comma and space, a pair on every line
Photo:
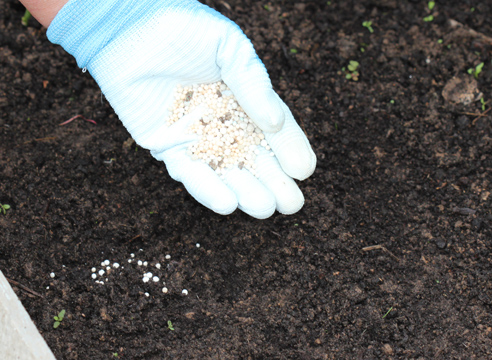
44, 10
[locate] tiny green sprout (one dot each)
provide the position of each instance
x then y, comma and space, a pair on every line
353, 65
391, 308
449, 46
483, 102
472, 9
368, 26
440, 41
266, 7
438, 282
115, 354
4, 208
328, 3
475, 72
293, 51
170, 325
431, 5
58, 319
429, 18
25, 18
351, 72
392, 101
478, 69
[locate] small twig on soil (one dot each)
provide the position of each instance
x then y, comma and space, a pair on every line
464, 211
133, 238
478, 115
377, 247
470, 114
46, 208
226, 5
39, 139
76, 117
25, 288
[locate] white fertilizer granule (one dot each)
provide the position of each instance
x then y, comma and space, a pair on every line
227, 136
159, 278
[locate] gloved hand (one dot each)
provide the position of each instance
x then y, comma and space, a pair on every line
138, 51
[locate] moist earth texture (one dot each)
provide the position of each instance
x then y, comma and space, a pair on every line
390, 257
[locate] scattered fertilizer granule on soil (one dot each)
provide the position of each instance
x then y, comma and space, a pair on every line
227, 136
152, 280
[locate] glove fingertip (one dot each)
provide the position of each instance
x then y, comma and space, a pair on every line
223, 205
265, 109
293, 205
300, 164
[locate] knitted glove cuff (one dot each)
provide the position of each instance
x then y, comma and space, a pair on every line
84, 27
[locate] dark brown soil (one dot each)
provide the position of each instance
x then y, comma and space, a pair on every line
400, 167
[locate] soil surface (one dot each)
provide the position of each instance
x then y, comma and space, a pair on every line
390, 258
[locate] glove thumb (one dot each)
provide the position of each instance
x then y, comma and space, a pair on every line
244, 73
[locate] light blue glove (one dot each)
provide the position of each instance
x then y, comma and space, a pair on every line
138, 51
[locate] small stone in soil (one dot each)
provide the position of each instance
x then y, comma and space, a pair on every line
440, 243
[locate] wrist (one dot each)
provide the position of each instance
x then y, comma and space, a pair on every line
44, 11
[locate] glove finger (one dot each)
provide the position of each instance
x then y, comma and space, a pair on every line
292, 148
287, 194
200, 180
167, 136
253, 197
244, 73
